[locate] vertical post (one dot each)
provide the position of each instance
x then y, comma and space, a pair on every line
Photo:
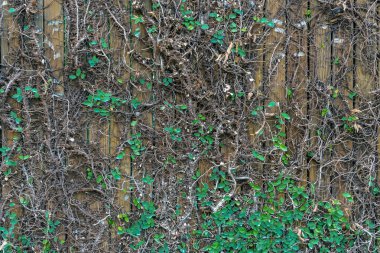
54, 44
140, 93
10, 45
274, 80
119, 129
297, 80
322, 52
342, 84
256, 128
51, 23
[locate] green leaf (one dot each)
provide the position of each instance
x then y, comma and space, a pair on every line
138, 19
120, 155
257, 155
263, 20
102, 112
232, 16
15, 117
10, 163
167, 81
352, 95
285, 115
348, 197
78, 72
182, 107
104, 43
135, 103
12, 10
93, 43
93, 61
153, 29
137, 32
116, 174
324, 112
72, 77
283, 147
88, 103
272, 104
99, 179
134, 123
254, 113
18, 96
24, 157
148, 180
205, 27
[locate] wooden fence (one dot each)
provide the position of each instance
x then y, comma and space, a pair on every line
319, 60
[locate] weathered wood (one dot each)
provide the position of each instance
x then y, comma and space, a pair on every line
342, 84
51, 23
142, 93
275, 75
367, 79
255, 128
120, 129
54, 41
319, 172
377, 87
297, 79
10, 45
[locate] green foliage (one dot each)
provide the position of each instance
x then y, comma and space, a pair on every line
205, 135
93, 61
12, 10
258, 156
78, 74
175, 133
148, 180
145, 221
34, 91
265, 21
218, 37
240, 51
137, 19
137, 32
21, 243
18, 96
103, 102
279, 216
292, 221
135, 103
116, 174
136, 145
167, 81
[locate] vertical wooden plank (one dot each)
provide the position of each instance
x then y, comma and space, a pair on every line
297, 83
311, 105
366, 79
342, 83
54, 44
51, 23
10, 45
322, 75
256, 127
275, 75
118, 128
376, 87
141, 92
